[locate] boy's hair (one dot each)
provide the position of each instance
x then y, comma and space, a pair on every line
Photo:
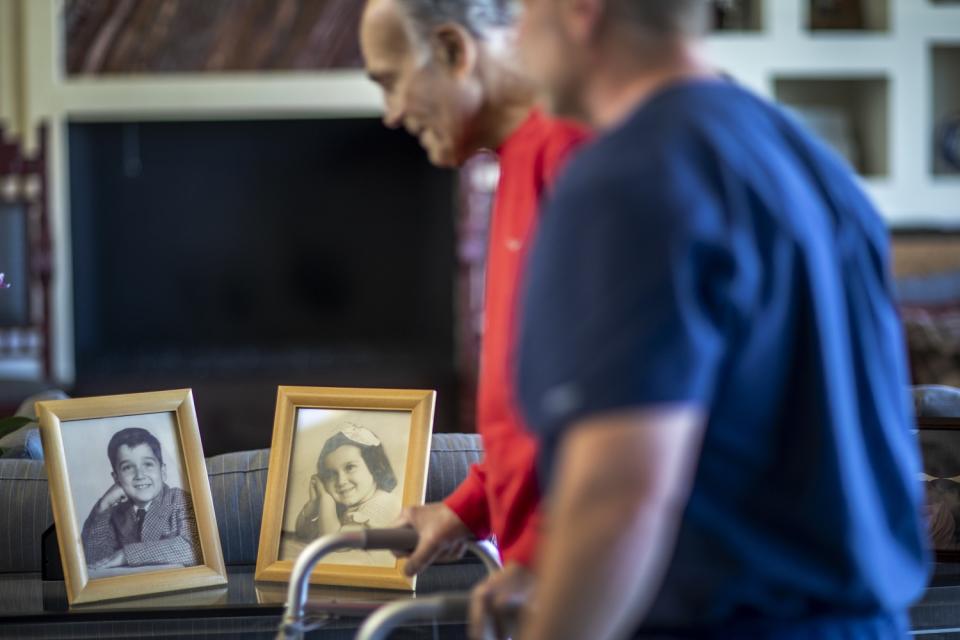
132, 436
374, 457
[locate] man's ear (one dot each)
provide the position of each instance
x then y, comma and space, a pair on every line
454, 48
163, 472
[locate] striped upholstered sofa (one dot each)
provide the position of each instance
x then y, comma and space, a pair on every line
237, 481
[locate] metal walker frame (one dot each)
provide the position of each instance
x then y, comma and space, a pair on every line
386, 618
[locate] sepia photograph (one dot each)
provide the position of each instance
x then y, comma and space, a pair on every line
343, 460
128, 474
346, 473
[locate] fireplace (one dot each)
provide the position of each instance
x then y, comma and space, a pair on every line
233, 256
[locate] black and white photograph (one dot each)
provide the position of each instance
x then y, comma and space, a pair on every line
940, 448
130, 495
347, 473
130, 492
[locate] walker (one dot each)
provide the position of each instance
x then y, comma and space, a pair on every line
452, 606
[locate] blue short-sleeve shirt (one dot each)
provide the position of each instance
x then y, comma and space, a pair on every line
708, 250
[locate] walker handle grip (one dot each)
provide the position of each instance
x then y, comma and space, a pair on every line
402, 539
454, 607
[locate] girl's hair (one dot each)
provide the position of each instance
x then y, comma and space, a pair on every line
373, 455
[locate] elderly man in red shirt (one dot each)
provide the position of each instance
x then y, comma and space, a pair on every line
448, 77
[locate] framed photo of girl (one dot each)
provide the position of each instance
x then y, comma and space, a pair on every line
130, 495
940, 449
343, 459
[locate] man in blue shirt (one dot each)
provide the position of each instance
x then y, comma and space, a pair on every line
710, 356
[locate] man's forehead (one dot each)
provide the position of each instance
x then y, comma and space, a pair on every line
386, 33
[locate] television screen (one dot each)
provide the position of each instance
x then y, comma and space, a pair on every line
287, 236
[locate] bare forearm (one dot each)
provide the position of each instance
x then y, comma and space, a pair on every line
600, 571
621, 484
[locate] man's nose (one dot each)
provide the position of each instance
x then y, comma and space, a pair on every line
393, 114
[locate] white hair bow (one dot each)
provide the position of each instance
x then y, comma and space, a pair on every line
360, 435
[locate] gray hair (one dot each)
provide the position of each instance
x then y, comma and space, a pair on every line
478, 17
663, 17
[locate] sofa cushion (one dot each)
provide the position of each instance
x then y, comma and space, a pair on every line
25, 505
22, 443
237, 482
28, 408
936, 401
25, 442
451, 455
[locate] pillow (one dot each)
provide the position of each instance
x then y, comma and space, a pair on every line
22, 443
25, 441
27, 408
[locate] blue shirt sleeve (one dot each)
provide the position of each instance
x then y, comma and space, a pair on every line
627, 292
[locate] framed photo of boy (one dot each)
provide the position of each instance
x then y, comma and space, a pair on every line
940, 449
341, 460
130, 495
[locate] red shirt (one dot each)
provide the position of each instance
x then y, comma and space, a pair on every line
500, 495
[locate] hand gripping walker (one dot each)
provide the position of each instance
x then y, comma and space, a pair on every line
444, 606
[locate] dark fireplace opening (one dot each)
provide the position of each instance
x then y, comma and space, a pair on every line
233, 256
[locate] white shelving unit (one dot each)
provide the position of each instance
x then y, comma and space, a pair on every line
896, 81
946, 101
875, 15
861, 101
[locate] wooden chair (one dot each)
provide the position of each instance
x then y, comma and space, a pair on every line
25, 255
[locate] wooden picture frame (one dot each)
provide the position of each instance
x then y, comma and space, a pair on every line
89, 444
939, 440
313, 428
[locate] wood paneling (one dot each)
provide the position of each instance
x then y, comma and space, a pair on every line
924, 255
177, 36
23, 183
